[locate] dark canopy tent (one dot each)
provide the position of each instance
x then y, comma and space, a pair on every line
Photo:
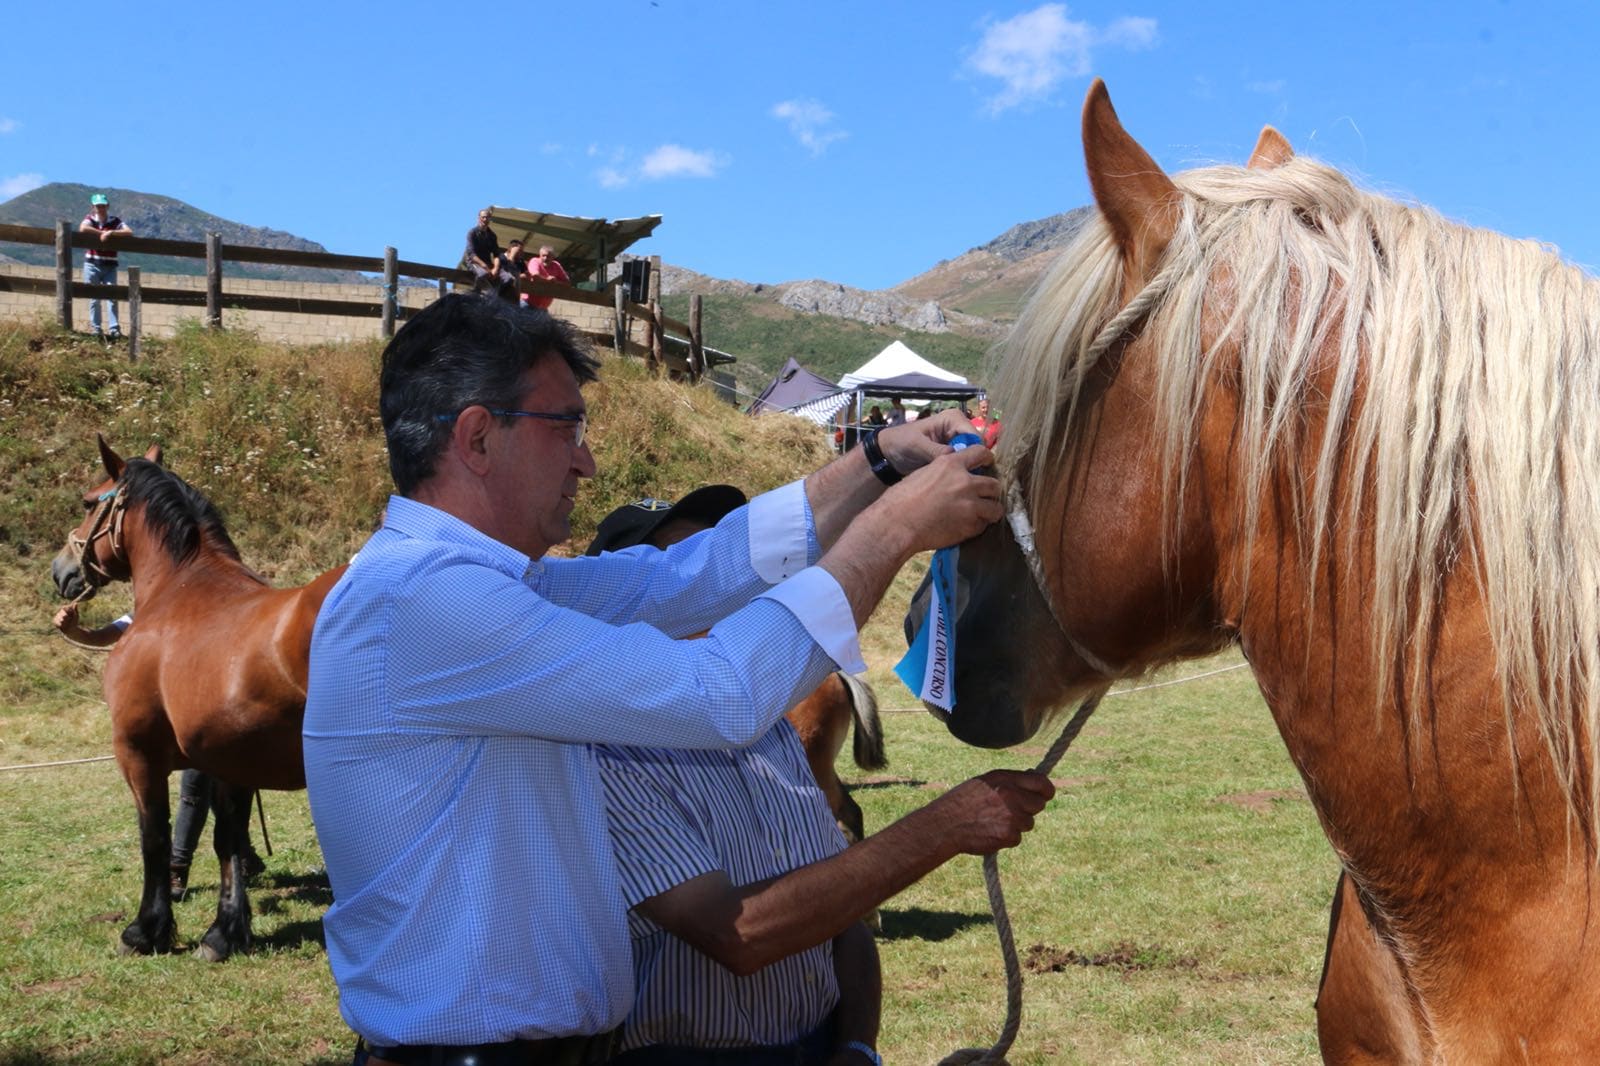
796, 387
919, 387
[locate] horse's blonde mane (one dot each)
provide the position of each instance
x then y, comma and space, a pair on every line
1463, 414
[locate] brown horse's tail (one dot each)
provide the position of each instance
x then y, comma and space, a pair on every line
867, 745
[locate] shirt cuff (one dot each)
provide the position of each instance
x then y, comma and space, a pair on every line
819, 604
780, 533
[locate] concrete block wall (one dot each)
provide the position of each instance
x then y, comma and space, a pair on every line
283, 327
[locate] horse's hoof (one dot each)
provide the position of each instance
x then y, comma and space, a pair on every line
209, 954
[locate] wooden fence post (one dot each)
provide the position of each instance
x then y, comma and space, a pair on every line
63, 274
214, 280
654, 328
697, 341
619, 323
391, 290
135, 314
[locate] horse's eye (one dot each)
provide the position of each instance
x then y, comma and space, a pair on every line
88, 505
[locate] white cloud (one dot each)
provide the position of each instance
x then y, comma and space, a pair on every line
810, 123
1267, 88
1031, 53
667, 161
676, 161
9, 125
19, 184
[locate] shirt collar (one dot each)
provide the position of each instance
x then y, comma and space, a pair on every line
411, 518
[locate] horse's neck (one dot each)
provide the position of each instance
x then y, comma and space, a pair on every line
155, 574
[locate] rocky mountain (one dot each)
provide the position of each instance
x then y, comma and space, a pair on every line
992, 280
150, 215
975, 294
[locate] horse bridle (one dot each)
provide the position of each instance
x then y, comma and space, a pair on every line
105, 521
1113, 332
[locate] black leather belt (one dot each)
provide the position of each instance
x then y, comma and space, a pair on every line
557, 1051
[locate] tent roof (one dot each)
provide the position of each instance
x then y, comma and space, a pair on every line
895, 361
799, 391
919, 387
582, 244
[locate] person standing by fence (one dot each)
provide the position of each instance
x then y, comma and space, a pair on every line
100, 261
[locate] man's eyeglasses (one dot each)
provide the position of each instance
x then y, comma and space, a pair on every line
581, 421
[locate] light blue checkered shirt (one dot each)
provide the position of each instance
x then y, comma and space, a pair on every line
754, 813
454, 684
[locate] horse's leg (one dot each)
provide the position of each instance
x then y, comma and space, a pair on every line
1365, 1014
153, 930
231, 930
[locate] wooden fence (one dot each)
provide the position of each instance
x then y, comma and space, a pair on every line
387, 306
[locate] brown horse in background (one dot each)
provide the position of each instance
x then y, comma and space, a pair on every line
211, 674
822, 719
1258, 406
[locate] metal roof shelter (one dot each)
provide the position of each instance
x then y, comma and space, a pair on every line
584, 245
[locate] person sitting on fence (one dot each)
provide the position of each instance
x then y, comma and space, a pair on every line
486, 260
515, 263
546, 268
100, 261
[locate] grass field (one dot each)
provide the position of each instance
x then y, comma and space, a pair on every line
1172, 900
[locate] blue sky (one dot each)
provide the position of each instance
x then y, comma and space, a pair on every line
859, 142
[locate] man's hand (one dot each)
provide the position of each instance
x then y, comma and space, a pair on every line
913, 445
66, 617
944, 503
993, 811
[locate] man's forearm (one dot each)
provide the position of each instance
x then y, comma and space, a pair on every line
804, 907
838, 492
860, 979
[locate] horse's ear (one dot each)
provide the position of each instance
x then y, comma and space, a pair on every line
153, 453
113, 462
1139, 202
1272, 150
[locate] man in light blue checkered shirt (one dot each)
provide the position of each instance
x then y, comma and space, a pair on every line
457, 676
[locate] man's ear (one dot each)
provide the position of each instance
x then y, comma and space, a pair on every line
469, 438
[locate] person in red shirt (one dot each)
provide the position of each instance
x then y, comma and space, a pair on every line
987, 427
546, 268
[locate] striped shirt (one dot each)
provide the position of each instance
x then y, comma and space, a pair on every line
454, 687
101, 251
755, 813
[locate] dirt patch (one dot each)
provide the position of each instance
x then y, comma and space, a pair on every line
109, 917
1126, 957
50, 988
1261, 801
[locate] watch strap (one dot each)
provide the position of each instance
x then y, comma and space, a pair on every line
877, 461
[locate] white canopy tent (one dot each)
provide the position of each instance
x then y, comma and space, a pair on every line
896, 361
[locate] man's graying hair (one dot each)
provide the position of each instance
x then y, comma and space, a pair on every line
459, 351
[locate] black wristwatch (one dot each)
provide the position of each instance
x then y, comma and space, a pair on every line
881, 467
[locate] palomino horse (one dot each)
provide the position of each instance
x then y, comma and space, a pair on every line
822, 719
1258, 406
212, 674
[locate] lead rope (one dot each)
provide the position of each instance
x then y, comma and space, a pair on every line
1022, 530
996, 1055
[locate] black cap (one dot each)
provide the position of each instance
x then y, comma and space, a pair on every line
633, 523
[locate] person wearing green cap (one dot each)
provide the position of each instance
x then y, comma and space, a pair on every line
100, 261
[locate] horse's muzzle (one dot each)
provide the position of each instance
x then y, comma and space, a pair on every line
69, 579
